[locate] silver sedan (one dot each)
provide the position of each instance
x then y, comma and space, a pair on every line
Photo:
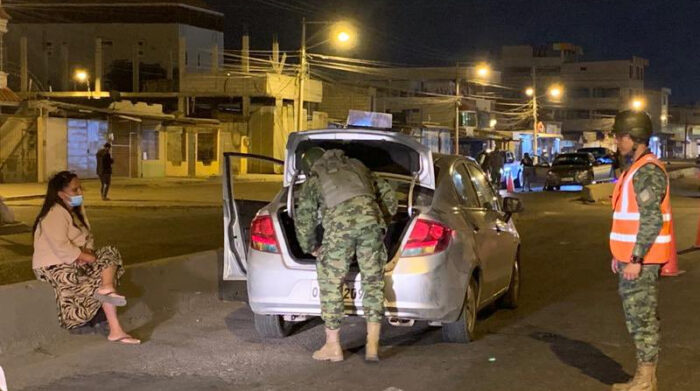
453, 247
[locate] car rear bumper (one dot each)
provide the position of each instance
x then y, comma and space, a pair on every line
420, 288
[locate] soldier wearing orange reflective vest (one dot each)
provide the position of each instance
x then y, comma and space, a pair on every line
640, 240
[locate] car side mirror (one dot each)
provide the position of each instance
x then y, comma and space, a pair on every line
512, 205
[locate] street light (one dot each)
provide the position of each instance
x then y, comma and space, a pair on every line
483, 70
638, 104
82, 76
493, 123
555, 91
530, 91
341, 33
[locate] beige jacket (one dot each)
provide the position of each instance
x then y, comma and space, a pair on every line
57, 240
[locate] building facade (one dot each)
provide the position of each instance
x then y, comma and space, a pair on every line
593, 91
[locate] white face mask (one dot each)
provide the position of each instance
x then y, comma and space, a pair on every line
76, 200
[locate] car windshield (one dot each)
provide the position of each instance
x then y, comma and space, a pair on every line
573, 159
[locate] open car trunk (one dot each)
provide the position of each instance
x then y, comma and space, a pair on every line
396, 226
396, 229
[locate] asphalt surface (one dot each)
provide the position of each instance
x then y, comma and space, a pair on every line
567, 334
141, 234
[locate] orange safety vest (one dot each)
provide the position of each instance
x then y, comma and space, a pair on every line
625, 227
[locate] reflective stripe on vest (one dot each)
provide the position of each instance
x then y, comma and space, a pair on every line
625, 227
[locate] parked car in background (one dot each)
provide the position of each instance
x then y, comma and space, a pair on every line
577, 169
453, 247
600, 154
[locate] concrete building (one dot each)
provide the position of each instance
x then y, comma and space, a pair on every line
684, 124
121, 46
594, 91
165, 55
431, 103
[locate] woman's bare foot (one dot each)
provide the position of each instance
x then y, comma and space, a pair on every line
125, 339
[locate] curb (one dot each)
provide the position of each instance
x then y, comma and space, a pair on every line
155, 290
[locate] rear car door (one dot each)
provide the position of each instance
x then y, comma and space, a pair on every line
237, 221
476, 217
495, 235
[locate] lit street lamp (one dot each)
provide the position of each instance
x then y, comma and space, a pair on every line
638, 104
82, 76
342, 34
483, 70
554, 91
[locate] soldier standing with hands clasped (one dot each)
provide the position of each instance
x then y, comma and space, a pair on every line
640, 241
345, 193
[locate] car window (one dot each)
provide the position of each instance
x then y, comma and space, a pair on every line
465, 190
484, 192
572, 159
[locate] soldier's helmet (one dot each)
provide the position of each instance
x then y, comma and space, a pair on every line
636, 124
310, 157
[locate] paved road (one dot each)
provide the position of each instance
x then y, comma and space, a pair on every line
568, 334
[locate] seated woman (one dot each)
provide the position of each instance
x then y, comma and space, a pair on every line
83, 278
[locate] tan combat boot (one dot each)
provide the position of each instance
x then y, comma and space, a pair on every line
372, 347
644, 379
331, 351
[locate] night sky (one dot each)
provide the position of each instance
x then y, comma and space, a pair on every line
443, 32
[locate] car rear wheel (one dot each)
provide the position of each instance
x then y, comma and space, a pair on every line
510, 298
463, 330
272, 326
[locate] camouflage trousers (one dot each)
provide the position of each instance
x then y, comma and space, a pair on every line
639, 301
340, 244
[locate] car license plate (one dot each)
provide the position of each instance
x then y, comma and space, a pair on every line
352, 291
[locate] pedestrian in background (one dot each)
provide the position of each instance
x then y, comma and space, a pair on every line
104, 169
84, 279
351, 201
528, 171
496, 163
640, 241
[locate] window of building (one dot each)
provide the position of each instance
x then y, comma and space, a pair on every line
579, 114
199, 59
583, 68
149, 145
206, 148
580, 93
467, 118
631, 71
606, 92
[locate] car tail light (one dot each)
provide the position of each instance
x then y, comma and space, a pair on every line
426, 238
262, 235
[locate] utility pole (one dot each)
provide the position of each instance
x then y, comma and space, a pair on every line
457, 102
534, 112
302, 76
685, 139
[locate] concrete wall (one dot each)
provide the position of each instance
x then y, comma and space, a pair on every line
338, 99
56, 141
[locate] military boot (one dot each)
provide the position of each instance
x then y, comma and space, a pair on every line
331, 351
644, 379
372, 347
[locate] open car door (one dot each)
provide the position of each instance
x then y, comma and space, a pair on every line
237, 217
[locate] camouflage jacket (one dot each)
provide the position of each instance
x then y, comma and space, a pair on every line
361, 210
650, 183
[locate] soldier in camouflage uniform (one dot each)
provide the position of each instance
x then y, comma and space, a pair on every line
638, 275
343, 194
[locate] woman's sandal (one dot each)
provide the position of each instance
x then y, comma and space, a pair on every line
126, 340
111, 298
